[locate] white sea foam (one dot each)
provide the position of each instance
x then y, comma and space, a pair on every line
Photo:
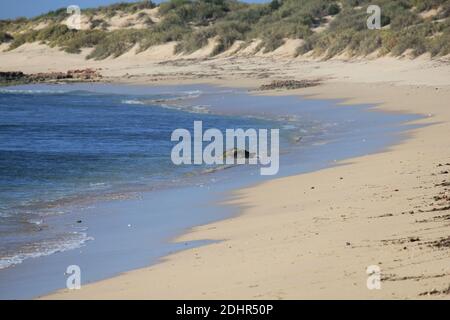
133, 102
193, 94
23, 91
37, 222
289, 127
199, 109
4, 214
46, 248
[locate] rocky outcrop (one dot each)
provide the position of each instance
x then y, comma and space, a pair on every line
11, 76
79, 75
84, 74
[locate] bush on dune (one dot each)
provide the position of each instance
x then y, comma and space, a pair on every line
116, 43
5, 37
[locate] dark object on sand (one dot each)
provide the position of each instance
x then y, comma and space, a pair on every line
289, 84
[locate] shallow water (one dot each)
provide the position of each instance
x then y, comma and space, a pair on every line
100, 155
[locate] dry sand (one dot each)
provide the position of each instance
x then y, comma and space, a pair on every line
311, 235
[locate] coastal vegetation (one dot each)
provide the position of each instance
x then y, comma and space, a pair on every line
326, 27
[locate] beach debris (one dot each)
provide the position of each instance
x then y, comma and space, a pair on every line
443, 184
435, 292
441, 243
440, 209
385, 215
289, 84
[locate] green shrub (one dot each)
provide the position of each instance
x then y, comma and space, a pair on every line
409, 41
333, 9
404, 20
23, 38
5, 37
193, 41
116, 43
440, 45
54, 16
84, 39
422, 5
228, 32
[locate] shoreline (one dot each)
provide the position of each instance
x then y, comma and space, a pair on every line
106, 214
129, 286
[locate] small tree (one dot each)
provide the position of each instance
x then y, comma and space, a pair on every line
275, 5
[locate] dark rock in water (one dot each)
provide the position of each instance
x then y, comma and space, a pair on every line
79, 221
289, 84
237, 154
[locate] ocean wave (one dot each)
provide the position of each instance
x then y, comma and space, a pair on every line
97, 184
289, 127
185, 95
36, 222
4, 214
30, 91
198, 109
45, 248
164, 102
133, 102
193, 93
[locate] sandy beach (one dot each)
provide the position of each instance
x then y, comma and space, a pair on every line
312, 235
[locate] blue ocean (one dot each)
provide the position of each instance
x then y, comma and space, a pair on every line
66, 145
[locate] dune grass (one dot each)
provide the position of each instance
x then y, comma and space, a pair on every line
328, 27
